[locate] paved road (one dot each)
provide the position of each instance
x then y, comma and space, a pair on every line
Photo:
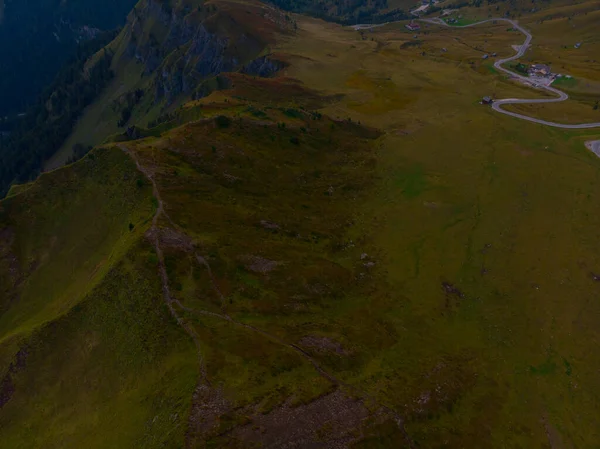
497, 105
594, 146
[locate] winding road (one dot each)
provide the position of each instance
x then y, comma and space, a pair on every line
497, 105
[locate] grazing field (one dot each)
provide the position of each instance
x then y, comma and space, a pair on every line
355, 253
557, 30
486, 232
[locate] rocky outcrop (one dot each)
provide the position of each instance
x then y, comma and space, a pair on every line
182, 48
219, 82
264, 67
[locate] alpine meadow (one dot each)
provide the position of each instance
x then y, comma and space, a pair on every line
305, 224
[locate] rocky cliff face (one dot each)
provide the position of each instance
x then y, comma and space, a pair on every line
264, 67
185, 46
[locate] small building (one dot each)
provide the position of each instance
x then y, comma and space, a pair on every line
494, 55
485, 57
487, 100
540, 70
578, 44
413, 26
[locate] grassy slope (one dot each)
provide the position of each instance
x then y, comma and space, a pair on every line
218, 185
99, 120
556, 28
86, 315
248, 26
85, 367
555, 36
477, 323
77, 219
502, 210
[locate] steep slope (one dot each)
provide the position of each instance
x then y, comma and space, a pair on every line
172, 52
81, 312
36, 136
38, 36
213, 263
352, 253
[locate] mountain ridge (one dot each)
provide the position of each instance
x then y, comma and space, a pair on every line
333, 244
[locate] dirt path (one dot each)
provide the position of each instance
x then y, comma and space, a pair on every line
366, 397
154, 231
172, 301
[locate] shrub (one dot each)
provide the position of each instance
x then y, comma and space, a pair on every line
223, 121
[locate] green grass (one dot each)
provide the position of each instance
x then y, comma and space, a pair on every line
473, 313
105, 311
463, 198
90, 393
223, 215
89, 316
490, 67
464, 21
569, 83
411, 181
67, 229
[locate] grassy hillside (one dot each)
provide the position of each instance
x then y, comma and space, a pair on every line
486, 230
557, 28
169, 54
82, 314
352, 253
108, 316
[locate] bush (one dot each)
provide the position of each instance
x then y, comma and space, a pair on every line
521, 68
223, 121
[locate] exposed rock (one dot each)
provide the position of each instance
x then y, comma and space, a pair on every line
7, 389
208, 405
269, 225
170, 238
322, 344
259, 264
230, 178
301, 426
196, 49
452, 290
263, 67
7, 386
